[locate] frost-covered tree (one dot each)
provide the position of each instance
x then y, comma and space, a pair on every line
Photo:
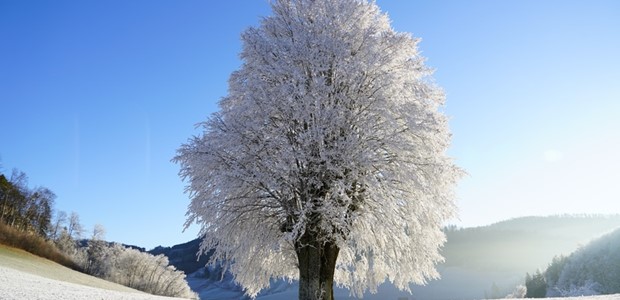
519, 292
96, 263
327, 160
145, 272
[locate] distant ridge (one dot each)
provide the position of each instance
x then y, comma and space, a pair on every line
574, 220
519, 243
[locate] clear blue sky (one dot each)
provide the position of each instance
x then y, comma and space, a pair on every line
96, 96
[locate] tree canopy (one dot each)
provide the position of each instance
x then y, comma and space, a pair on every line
331, 137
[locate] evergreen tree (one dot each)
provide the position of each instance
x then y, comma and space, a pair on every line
536, 285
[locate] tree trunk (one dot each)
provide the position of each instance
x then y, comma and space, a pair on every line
317, 262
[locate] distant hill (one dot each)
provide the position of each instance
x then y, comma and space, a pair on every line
523, 243
184, 256
489, 261
481, 262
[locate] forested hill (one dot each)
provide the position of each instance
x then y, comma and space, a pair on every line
591, 270
520, 243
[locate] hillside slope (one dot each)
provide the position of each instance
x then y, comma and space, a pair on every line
26, 276
591, 270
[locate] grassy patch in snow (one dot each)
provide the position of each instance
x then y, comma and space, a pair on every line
34, 244
23, 261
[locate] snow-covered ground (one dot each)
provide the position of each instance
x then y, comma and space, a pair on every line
16, 285
24, 276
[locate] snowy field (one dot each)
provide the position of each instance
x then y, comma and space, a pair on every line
20, 285
25, 276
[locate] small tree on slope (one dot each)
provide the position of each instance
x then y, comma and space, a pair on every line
326, 161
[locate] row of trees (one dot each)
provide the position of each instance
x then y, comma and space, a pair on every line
24, 208
127, 266
32, 211
115, 262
